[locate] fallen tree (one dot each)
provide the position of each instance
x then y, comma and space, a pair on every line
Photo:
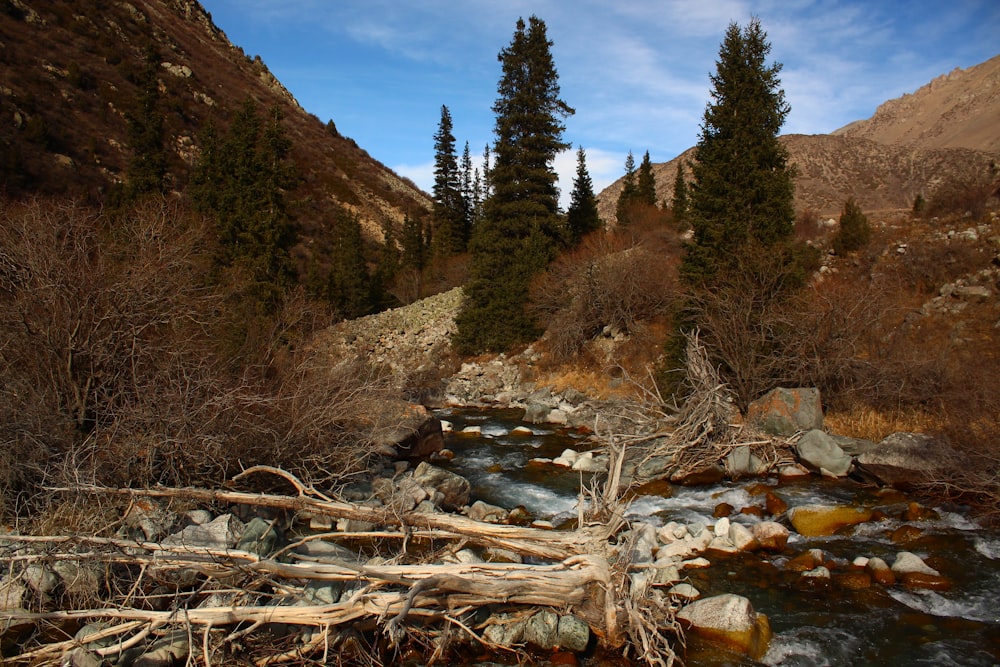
227, 602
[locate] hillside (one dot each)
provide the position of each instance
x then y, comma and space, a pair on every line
911, 144
960, 109
69, 70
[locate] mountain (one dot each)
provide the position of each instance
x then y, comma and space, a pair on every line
68, 78
910, 145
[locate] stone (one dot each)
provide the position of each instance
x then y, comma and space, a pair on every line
149, 520
220, 533
742, 537
819, 450
481, 511
172, 649
261, 537
923, 580
12, 593
572, 634
41, 579
705, 475
79, 578
907, 562
824, 520
728, 620
775, 504
455, 489
586, 462
904, 459
785, 412
684, 592
541, 629
770, 535
418, 433
504, 629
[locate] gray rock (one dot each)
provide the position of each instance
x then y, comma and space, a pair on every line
787, 411
741, 462
261, 537
907, 562
852, 446
455, 490
12, 594
81, 579
41, 579
541, 629
504, 630
572, 634
820, 451
220, 533
910, 451
172, 649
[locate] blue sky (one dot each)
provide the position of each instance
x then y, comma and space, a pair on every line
636, 71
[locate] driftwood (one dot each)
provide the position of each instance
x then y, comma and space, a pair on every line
406, 600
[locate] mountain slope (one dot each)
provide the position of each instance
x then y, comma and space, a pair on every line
960, 109
69, 71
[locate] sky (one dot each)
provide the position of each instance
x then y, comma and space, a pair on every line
635, 71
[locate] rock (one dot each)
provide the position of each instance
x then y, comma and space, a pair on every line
170, 650
853, 580
418, 433
684, 592
707, 474
805, 561
905, 533
881, 572
79, 579
852, 446
149, 520
572, 634
775, 504
522, 430
586, 462
917, 512
537, 413
455, 489
12, 594
770, 535
504, 629
820, 451
742, 538
498, 555
480, 511
261, 537
792, 471
566, 459
729, 620
922, 580
823, 520
742, 462
785, 412
903, 459
541, 629
41, 579
665, 572
220, 533
907, 563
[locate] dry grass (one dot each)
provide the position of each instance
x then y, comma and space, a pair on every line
869, 423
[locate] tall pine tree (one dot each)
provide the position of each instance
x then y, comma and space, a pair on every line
679, 201
582, 217
449, 205
626, 198
645, 184
521, 228
741, 196
240, 180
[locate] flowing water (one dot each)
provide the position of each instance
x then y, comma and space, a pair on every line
813, 627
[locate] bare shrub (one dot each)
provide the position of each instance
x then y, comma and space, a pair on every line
966, 193
610, 283
808, 226
112, 374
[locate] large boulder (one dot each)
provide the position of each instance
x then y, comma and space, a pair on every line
455, 490
823, 520
416, 434
729, 620
904, 459
785, 412
819, 450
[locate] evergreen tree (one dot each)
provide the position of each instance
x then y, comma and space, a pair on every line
582, 217
854, 231
679, 202
741, 195
349, 286
626, 198
414, 244
521, 227
645, 185
240, 180
144, 127
449, 206
470, 197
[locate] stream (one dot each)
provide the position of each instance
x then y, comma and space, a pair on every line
813, 626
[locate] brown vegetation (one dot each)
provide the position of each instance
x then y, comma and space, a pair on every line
119, 365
